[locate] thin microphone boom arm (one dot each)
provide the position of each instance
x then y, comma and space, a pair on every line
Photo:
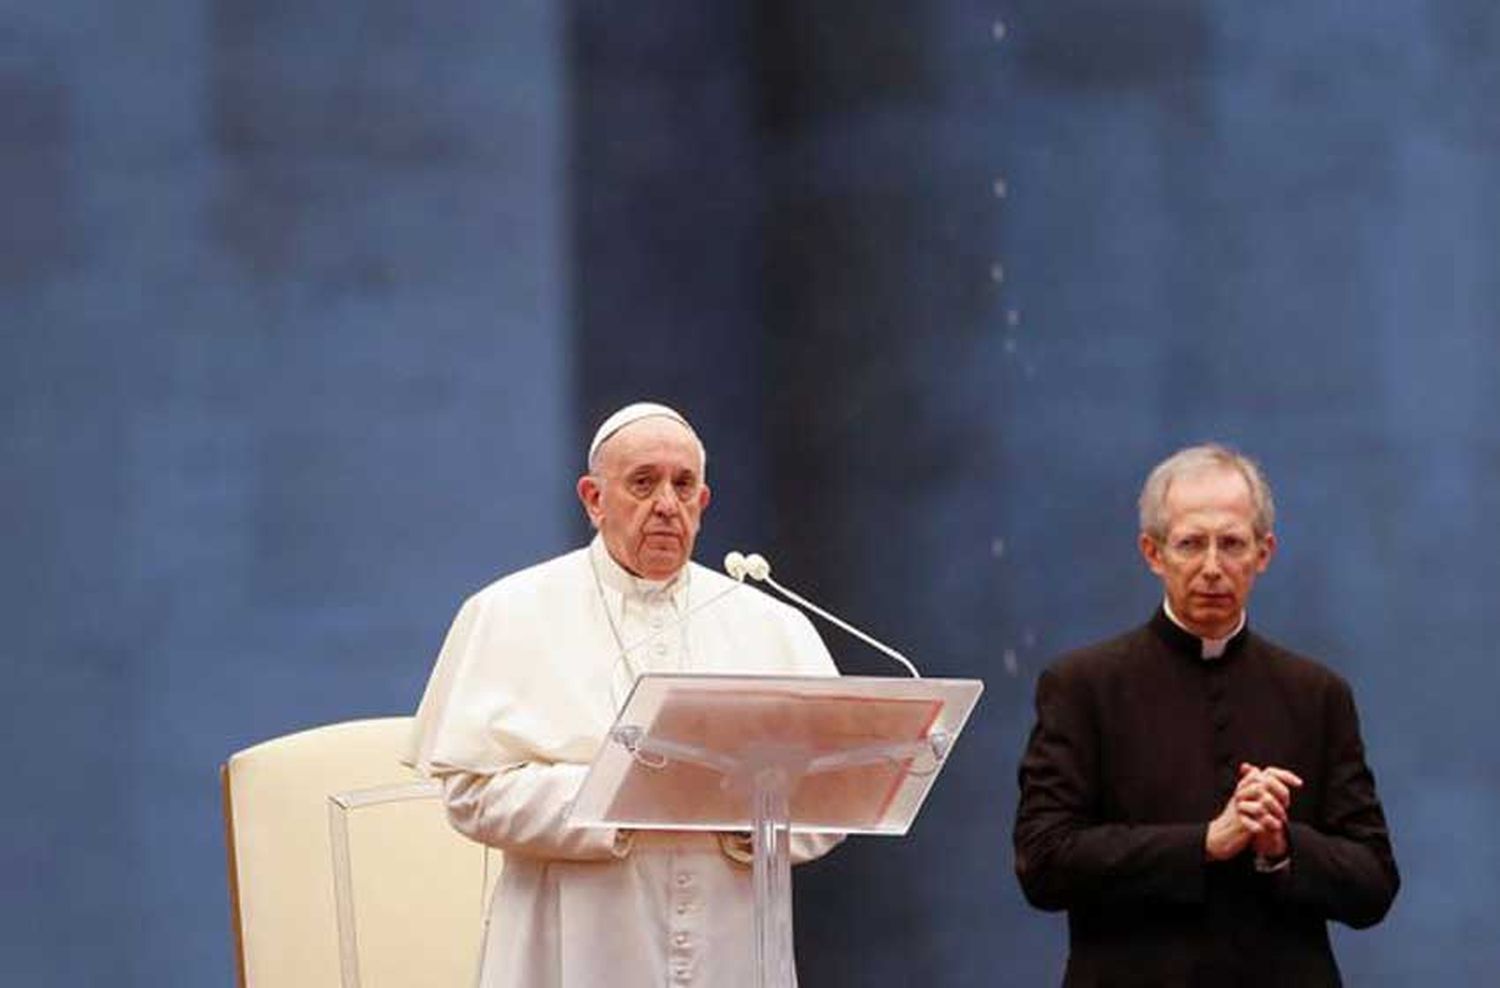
757, 567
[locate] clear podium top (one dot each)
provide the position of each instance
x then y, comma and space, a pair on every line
856, 754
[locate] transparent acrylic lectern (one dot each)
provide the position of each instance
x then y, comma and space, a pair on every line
772, 756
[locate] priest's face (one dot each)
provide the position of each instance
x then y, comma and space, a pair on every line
646, 496
1210, 556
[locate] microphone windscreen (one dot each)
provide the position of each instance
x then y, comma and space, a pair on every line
734, 564
757, 566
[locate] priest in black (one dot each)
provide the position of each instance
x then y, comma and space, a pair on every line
1193, 794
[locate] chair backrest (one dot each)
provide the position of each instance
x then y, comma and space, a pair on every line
343, 870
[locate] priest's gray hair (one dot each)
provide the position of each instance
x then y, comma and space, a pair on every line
1196, 459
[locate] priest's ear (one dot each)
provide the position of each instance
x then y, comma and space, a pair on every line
590, 491
1152, 554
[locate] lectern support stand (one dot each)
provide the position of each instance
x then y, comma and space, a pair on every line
771, 846
773, 755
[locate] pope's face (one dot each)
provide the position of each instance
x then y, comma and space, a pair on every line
1210, 557
647, 496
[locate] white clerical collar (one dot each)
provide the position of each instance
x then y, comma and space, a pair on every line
1213, 648
627, 584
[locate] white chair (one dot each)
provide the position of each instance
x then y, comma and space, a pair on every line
343, 870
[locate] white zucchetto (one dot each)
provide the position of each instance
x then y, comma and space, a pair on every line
631, 414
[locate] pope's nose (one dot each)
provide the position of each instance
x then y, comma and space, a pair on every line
665, 502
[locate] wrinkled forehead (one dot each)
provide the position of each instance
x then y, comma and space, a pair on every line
658, 440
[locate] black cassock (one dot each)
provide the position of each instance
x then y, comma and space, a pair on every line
1136, 746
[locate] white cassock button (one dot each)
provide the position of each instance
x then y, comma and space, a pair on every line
681, 939
682, 908
683, 881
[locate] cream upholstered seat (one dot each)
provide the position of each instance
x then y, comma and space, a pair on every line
343, 870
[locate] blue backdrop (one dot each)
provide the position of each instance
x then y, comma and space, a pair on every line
306, 309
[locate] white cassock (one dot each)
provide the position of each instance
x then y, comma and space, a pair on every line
526, 687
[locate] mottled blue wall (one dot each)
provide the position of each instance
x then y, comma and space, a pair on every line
305, 308
285, 371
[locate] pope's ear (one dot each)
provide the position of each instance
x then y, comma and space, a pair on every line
704, 496
1151, 553
589, 493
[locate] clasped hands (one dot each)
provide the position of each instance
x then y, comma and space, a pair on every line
1255, 815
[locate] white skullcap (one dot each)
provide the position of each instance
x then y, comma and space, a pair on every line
629, 415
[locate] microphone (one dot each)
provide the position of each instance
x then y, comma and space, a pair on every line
756, 567
739, 566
